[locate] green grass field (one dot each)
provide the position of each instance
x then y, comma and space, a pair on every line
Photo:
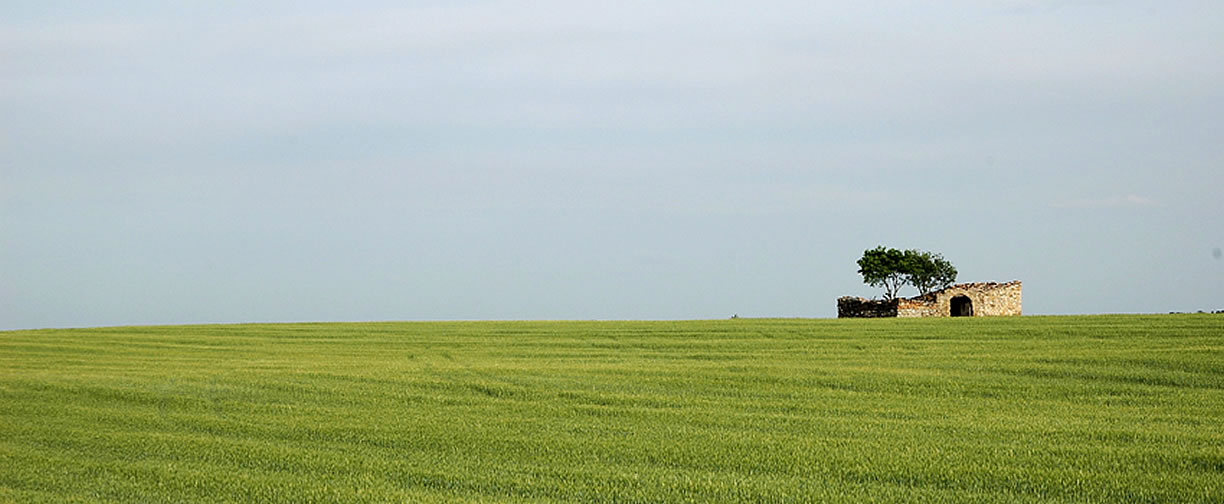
1031, 409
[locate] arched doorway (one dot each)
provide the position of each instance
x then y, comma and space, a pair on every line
962, 306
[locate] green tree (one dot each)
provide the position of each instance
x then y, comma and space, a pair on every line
884, 267
927, 271
892, 269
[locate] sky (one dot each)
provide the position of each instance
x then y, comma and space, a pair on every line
223, 162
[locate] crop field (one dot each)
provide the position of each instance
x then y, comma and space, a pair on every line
1028, 409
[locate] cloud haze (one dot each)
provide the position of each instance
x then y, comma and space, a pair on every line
435, 160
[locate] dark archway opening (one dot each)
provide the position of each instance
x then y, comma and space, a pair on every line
962, 306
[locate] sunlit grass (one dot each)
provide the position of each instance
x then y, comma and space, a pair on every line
1032, 409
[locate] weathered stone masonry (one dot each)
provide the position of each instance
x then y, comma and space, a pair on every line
857, 307
980, 299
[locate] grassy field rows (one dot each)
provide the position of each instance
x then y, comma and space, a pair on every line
1029, 409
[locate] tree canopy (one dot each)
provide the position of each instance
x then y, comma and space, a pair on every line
893, 269
928, 271
885, 268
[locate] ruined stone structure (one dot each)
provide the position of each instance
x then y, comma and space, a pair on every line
981, 299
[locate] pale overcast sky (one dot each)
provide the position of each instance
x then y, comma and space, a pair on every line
183, 162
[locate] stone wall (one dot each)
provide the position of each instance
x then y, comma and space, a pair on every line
857, 307
921, 306
987, 299
990, 299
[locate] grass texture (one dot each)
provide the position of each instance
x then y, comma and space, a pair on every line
1029, 409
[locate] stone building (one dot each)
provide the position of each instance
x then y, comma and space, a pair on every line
981, 299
